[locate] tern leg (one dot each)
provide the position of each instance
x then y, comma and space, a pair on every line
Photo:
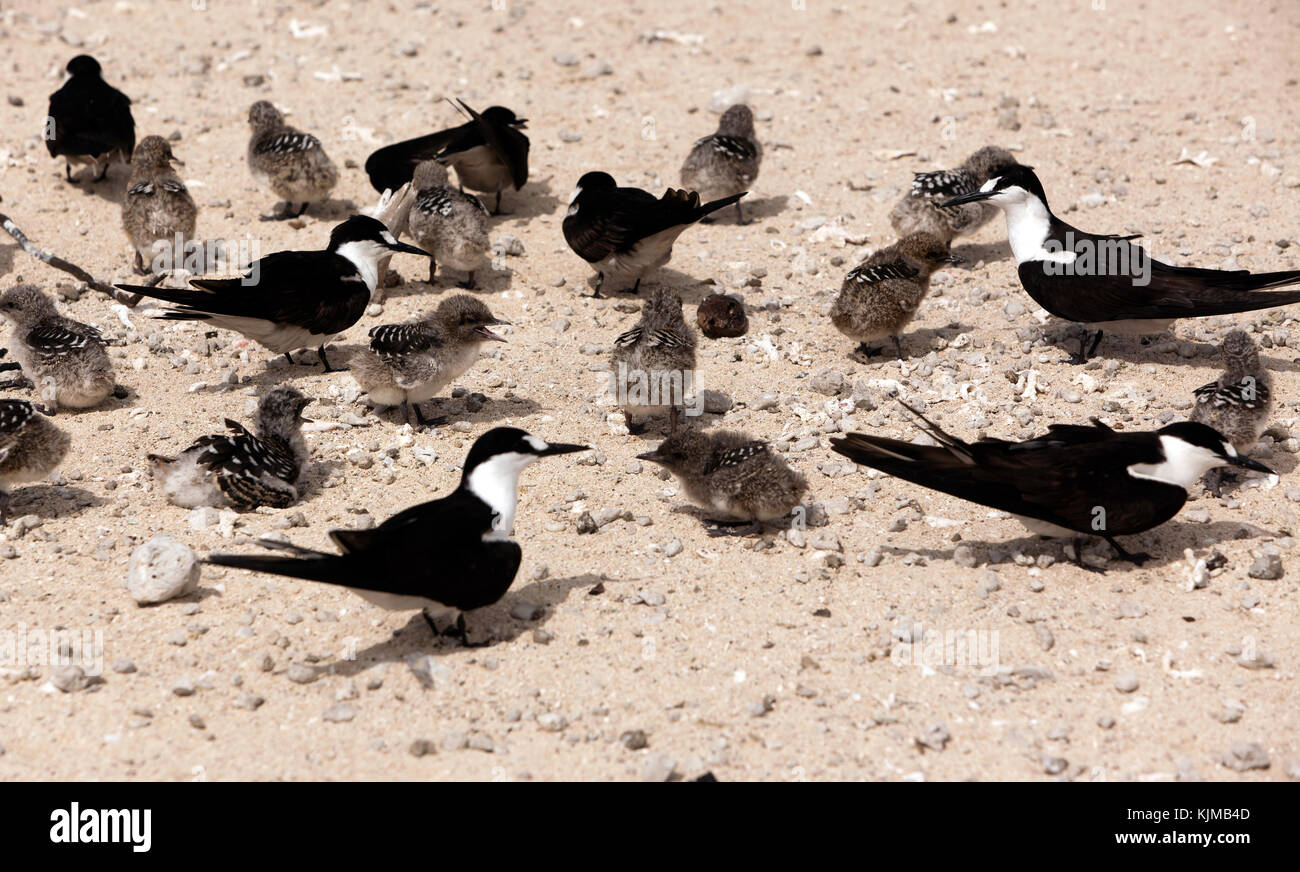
427, 422
433, 628
672, 419
4, 508
301, 209
103, 171
469, 284
600, 283
1136, 559
67, 172
289, 357
325, 361
139, 265
740, 214
635, 289
1086, 350
461, 634
898, 346
433, 271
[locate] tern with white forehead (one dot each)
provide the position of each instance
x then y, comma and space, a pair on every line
1073, 480
444, 557
292, 299
1107, 282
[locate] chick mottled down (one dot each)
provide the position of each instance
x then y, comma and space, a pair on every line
157, 208
65, 360
1239, 402
291, 163
880, 296
450, 225
919, 212
412, 362
731, 474
653, 364
240, 469
725, 162
31, 447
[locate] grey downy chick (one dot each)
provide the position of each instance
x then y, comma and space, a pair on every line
1239, 402
31, 447
291, 163
725, 162
157, 208
65, 360
919, 212
731, 474
449, 224
409, 363
239, 469
653, 364
880, 296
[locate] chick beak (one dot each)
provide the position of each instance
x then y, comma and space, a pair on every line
488, 334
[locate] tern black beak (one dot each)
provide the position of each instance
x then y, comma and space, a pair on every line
562, 448
652, 456
972, 197
409, 249
1250, 463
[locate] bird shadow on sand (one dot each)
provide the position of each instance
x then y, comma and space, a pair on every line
691, 289
50, 501
535, 199
333, 211
975, 252
916, 344
1142, 349
1164, 546
755, 210
486, 281
492, 624
7, 251
111, 188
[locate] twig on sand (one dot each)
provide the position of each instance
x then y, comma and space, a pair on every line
71, 268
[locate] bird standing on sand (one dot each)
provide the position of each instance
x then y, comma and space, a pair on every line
31, 447
1239, 401
880, 296
653, 364
239, 469
1072, 481
292, 299
291, 163
1107, 282
443, 557
410, 363
65, 360
90, 121
625, 233
451, 226
158, 213
489, 153
919, 210
730, 473
725, 162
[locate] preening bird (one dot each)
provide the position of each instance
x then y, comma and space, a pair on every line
625, 233
90, 121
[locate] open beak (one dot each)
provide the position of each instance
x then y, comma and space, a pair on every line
488, 334
1250, 463
972, 197
409, 249
521, 123
305, 403
562, 448
177, 161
